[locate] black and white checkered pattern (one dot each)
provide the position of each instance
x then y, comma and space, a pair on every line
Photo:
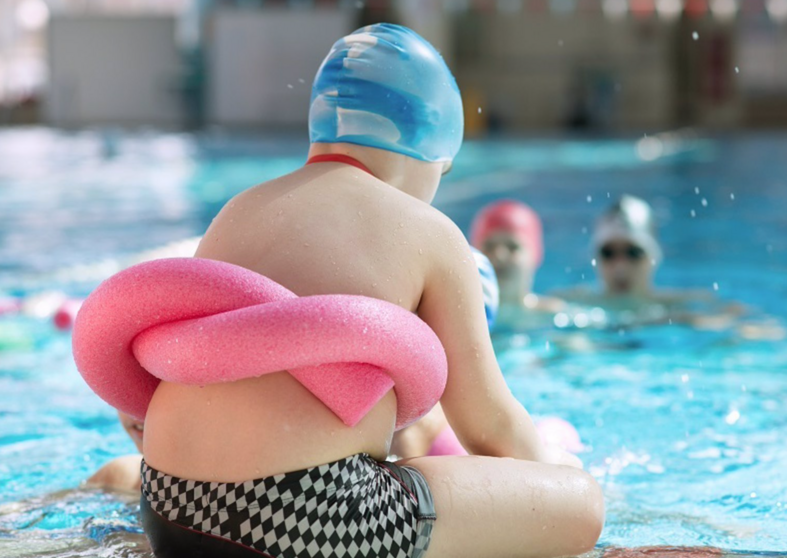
351, 508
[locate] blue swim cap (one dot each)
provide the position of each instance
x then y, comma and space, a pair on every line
384, 86
489, 286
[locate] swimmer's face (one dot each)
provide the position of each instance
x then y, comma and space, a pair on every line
506, 253
512, 259
133, 427
625, 268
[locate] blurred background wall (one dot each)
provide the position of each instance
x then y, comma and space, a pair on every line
522, 65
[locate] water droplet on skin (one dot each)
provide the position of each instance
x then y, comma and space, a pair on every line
208, 402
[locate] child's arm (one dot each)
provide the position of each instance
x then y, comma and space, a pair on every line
486, 417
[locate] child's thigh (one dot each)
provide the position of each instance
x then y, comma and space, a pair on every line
499, 508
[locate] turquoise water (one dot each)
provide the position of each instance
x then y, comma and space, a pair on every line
683, 428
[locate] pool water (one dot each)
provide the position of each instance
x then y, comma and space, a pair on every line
683, 428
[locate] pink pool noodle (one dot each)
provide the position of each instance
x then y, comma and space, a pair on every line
197, 322
446, 443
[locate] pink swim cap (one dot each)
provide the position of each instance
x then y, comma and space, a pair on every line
514, 218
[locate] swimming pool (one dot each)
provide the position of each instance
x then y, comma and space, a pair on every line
683, 428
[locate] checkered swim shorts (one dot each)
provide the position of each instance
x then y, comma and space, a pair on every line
354, 507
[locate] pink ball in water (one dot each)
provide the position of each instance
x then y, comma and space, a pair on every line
65, 315
555, 431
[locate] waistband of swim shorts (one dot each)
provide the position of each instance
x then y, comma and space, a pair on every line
329, 477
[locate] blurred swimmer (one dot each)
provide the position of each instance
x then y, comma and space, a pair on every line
627, 254
510, 234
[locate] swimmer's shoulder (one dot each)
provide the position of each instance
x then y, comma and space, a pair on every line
578, 294
676, 297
